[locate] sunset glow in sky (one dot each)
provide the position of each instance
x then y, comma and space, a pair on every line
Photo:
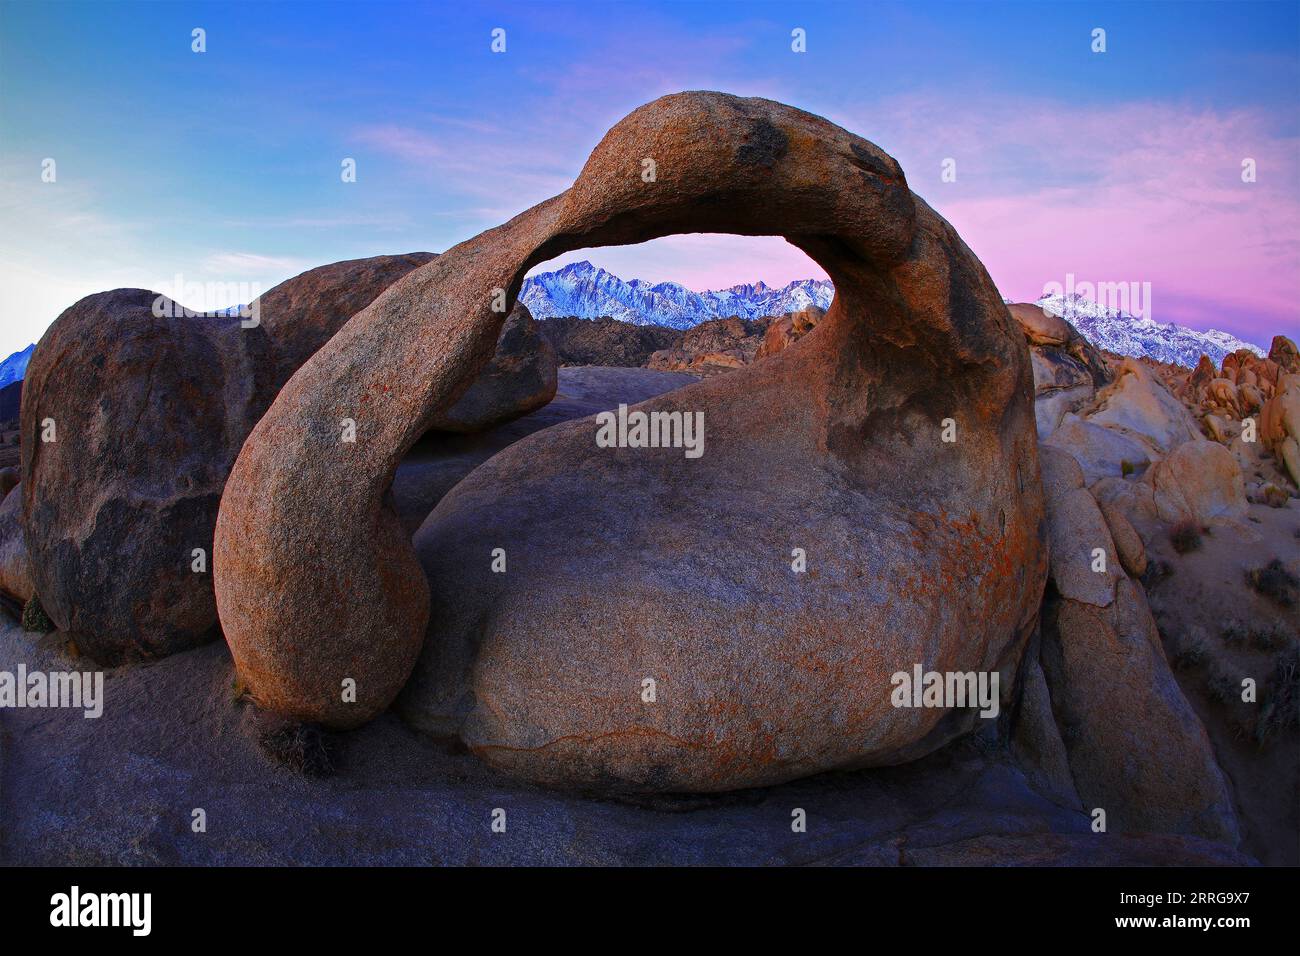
1123, 166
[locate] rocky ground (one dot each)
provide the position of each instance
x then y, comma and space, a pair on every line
1218, 629
173, 738
1207, 524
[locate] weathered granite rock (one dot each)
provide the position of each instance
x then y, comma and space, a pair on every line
784, 330
1279, 424
1076, 530
1199, 481
629, 563
441, 459
9, 478
88, 792
301, 314
1040, 327
1067, 367
605, 342
1036, 740
1060, 471
710, 346
15, 570
1136, 747
1135, 499
148, 413
1101, 452
1128, 543
1138, 405
1284, 352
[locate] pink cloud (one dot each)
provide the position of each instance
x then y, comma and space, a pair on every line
1134, 192
1139, 192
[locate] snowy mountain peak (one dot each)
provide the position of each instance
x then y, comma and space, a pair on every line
1124, 334
587, 291
14, 367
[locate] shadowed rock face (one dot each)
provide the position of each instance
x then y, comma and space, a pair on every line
15, 569
1134, 745
301, 314
632, 563
149, 413
605, 342
1067, 368
520, 378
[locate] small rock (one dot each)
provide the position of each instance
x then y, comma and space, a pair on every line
520, 378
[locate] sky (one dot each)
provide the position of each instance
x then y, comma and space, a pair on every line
223, 168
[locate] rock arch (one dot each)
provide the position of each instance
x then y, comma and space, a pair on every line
926, 552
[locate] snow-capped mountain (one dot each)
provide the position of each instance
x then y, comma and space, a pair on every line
1115, 331
586, 291
14, 367
589, 292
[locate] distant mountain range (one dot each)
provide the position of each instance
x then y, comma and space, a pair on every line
585, 291
14, 367
588, 292
1125, 334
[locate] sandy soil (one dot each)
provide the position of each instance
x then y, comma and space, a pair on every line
1218, 630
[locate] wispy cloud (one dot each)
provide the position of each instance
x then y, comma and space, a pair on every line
237, 265
474, 162
1148, 192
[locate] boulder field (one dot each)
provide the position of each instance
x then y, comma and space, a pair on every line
1148, 466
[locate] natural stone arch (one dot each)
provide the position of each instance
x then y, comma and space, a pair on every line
317, 583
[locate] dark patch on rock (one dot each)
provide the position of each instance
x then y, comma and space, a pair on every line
764, 144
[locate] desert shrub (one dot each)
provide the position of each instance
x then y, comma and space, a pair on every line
1126, 468
1280, 708
303, 748
1275, 582
1188, 650
1235, 634
1185, 536
1222, 686
1266, 638
34, 617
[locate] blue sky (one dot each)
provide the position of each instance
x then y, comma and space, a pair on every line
224, 166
